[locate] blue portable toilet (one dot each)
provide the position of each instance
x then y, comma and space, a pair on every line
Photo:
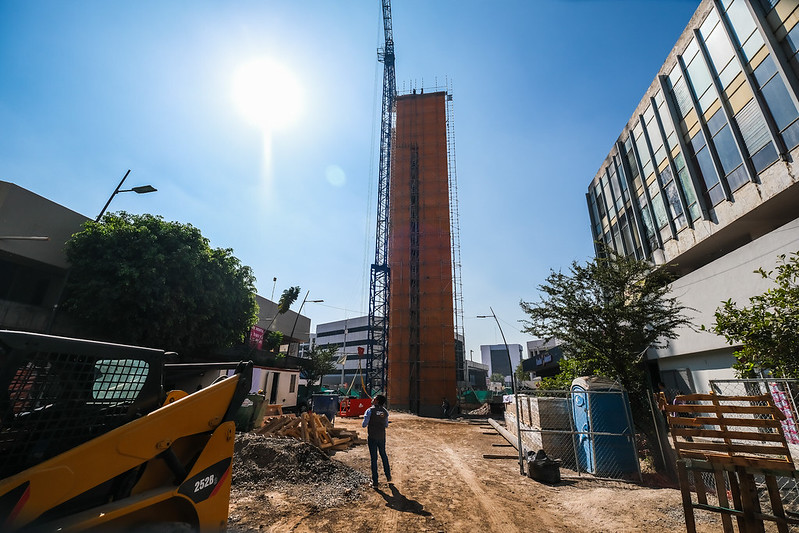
603, 422
325, 404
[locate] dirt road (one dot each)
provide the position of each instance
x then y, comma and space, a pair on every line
442, 483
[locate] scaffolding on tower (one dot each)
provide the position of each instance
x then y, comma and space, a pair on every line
380, 275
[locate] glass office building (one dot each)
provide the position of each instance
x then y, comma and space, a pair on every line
703, 176
710, 141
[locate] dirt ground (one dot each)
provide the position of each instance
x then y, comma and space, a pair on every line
442, 483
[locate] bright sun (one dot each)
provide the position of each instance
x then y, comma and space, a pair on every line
267, 94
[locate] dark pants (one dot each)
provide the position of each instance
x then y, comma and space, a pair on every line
374, 447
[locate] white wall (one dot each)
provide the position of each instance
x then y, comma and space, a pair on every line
728, 277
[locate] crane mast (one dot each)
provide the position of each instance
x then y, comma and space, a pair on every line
380, 274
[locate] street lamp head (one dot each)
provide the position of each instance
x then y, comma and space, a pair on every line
482, 316
315, 301
144, 189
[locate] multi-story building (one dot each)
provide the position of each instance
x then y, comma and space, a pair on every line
496, 357
351, 337
543, 357
702, 178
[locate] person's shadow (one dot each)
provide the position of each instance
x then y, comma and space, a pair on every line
398, 502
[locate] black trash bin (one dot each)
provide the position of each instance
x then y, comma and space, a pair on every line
542, 468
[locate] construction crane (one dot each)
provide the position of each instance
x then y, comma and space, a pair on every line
380, 276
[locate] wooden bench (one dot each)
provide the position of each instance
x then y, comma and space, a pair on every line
733, 438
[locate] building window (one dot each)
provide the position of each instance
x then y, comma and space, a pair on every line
293, 383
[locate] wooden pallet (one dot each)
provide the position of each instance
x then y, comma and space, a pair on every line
312, 428
733, 438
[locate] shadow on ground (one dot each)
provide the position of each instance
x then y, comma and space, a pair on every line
397, 501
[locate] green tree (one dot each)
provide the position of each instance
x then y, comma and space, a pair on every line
496, 377
607, 312
318, 362
767, 328
521, 375
137, 279
288, 297
273, 341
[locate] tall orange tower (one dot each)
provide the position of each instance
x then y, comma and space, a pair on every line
421, 354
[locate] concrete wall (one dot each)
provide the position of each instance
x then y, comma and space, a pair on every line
730, 277
24, 213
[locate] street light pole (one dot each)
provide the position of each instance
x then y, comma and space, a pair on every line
513, 388
143, 189
291, 336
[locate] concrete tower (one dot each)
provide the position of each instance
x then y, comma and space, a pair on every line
421, 355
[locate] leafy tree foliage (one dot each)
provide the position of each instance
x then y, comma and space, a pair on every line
521, 375
273, 341
318, 363
288, 297
607, 312
496, 377
767, 328
138, 279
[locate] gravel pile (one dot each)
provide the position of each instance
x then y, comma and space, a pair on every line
296, 468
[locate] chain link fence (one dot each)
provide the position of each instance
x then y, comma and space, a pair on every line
591, 432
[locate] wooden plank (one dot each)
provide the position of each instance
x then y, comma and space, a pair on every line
750, 503
734, 409
685, 493
711, 397
735, 435
701, 489
304, 429
734, 422
735, 448
492, 456
776, 503
757, 463
736, 500
721, 494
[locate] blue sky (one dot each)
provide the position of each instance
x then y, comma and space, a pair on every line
541, 91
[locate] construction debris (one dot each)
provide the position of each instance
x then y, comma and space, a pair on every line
484, 409
311, 428
262, 464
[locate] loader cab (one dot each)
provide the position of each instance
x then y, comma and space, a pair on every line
57, 393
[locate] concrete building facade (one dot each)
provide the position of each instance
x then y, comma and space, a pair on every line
33, 266
351, 337
702, 178
495, 357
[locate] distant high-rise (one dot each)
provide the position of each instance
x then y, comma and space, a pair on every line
421, 355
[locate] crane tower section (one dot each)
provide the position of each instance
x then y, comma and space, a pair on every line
380, 274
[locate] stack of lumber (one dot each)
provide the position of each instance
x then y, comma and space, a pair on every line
311, 428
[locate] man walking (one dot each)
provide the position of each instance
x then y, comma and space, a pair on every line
376, 421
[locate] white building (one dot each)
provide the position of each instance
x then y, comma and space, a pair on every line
351, 337
495, 356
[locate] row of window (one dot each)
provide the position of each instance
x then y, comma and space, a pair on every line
723, 113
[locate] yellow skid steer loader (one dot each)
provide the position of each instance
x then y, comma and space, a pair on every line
90, 440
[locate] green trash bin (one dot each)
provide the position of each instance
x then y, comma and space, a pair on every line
244, 415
